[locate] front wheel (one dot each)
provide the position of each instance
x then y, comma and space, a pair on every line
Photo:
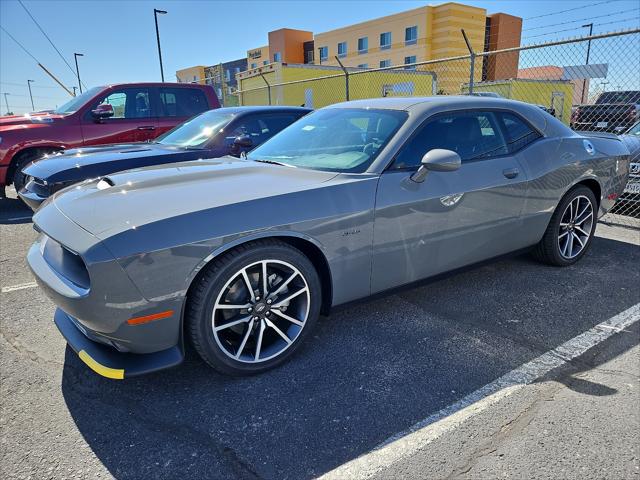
253, 307
571, 229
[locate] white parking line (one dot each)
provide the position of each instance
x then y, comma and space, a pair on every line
22, 286
431, 428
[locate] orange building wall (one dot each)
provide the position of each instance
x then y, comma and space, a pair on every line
289, 43
505, 31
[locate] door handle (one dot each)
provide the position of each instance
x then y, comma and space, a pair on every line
511, 172
147, 127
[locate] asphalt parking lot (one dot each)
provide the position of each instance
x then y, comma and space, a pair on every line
370, 371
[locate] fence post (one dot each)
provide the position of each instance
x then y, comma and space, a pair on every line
268, 87
473, 61
346, 77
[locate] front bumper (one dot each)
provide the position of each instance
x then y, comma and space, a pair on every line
106, 360
32, 199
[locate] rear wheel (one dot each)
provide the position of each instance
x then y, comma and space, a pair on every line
571, 229
253, 307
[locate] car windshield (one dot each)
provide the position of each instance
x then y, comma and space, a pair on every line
75, 103
198, 131
334, 139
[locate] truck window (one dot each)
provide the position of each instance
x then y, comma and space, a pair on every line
626, 97
182, 102
129, 103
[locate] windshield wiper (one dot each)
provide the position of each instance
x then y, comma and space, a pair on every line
273, 162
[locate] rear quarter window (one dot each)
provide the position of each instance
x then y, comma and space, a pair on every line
518, 133
182, 102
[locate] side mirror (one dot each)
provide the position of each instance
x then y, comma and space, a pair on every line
102, 111
437, 160
243, 141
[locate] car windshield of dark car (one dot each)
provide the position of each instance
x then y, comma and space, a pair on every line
198, 131
334, 139
75, 103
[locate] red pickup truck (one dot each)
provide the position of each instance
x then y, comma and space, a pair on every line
123, 113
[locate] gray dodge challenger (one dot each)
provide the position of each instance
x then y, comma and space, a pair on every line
239, 256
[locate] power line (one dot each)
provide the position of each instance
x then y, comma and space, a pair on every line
49, 39
575, 28
19, 44
569, 10
21, 85
582, 19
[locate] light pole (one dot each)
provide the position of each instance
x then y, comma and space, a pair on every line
33, 108
155, 16
584, 80
6, 102
75, 56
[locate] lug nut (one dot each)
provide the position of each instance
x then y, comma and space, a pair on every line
268, 313
257, 299
269, 301
250, 309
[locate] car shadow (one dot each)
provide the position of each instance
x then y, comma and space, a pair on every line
14, 211
369, 371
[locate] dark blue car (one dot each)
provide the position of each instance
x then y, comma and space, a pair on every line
212, 134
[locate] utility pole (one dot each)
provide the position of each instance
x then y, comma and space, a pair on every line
155, 16
74, 91
6, 102
584, 80
75, 56
33, 108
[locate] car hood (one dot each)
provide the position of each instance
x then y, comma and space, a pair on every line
81, 163
28, 119
138, 197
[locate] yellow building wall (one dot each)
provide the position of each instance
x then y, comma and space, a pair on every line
439, 36
191, 75
319, 91
258, 56
549, 93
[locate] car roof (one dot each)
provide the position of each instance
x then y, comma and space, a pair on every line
422, 103
264, 109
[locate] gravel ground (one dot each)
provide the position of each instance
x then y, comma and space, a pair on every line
369, 371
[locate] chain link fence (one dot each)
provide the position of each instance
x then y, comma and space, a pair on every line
592, 84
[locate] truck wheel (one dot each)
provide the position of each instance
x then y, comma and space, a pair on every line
19, 179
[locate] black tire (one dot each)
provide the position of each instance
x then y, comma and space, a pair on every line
22, 161
548, 250
213, 285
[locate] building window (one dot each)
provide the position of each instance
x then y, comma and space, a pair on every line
277, 57
195, 79
265, 62
411, 35
342, 49
385, 40
363, 65
408, 60
324, 53
363, 45
236, 70
385, 63
254, 65
227, 75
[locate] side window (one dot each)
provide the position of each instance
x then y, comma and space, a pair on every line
182, 102
260, 128
519, 134
129, 103
472, 135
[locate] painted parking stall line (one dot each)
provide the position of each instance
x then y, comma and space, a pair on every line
21, 286
405, 443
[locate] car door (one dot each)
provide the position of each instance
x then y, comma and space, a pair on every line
177, 105
133, 120
258, 127
454, 218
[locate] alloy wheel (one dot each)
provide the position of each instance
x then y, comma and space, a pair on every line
261, 311
576, 224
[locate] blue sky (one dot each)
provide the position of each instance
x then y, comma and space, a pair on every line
119, 44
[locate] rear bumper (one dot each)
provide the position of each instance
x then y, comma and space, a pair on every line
106, 360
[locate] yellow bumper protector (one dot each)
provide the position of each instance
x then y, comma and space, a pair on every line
115, 373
